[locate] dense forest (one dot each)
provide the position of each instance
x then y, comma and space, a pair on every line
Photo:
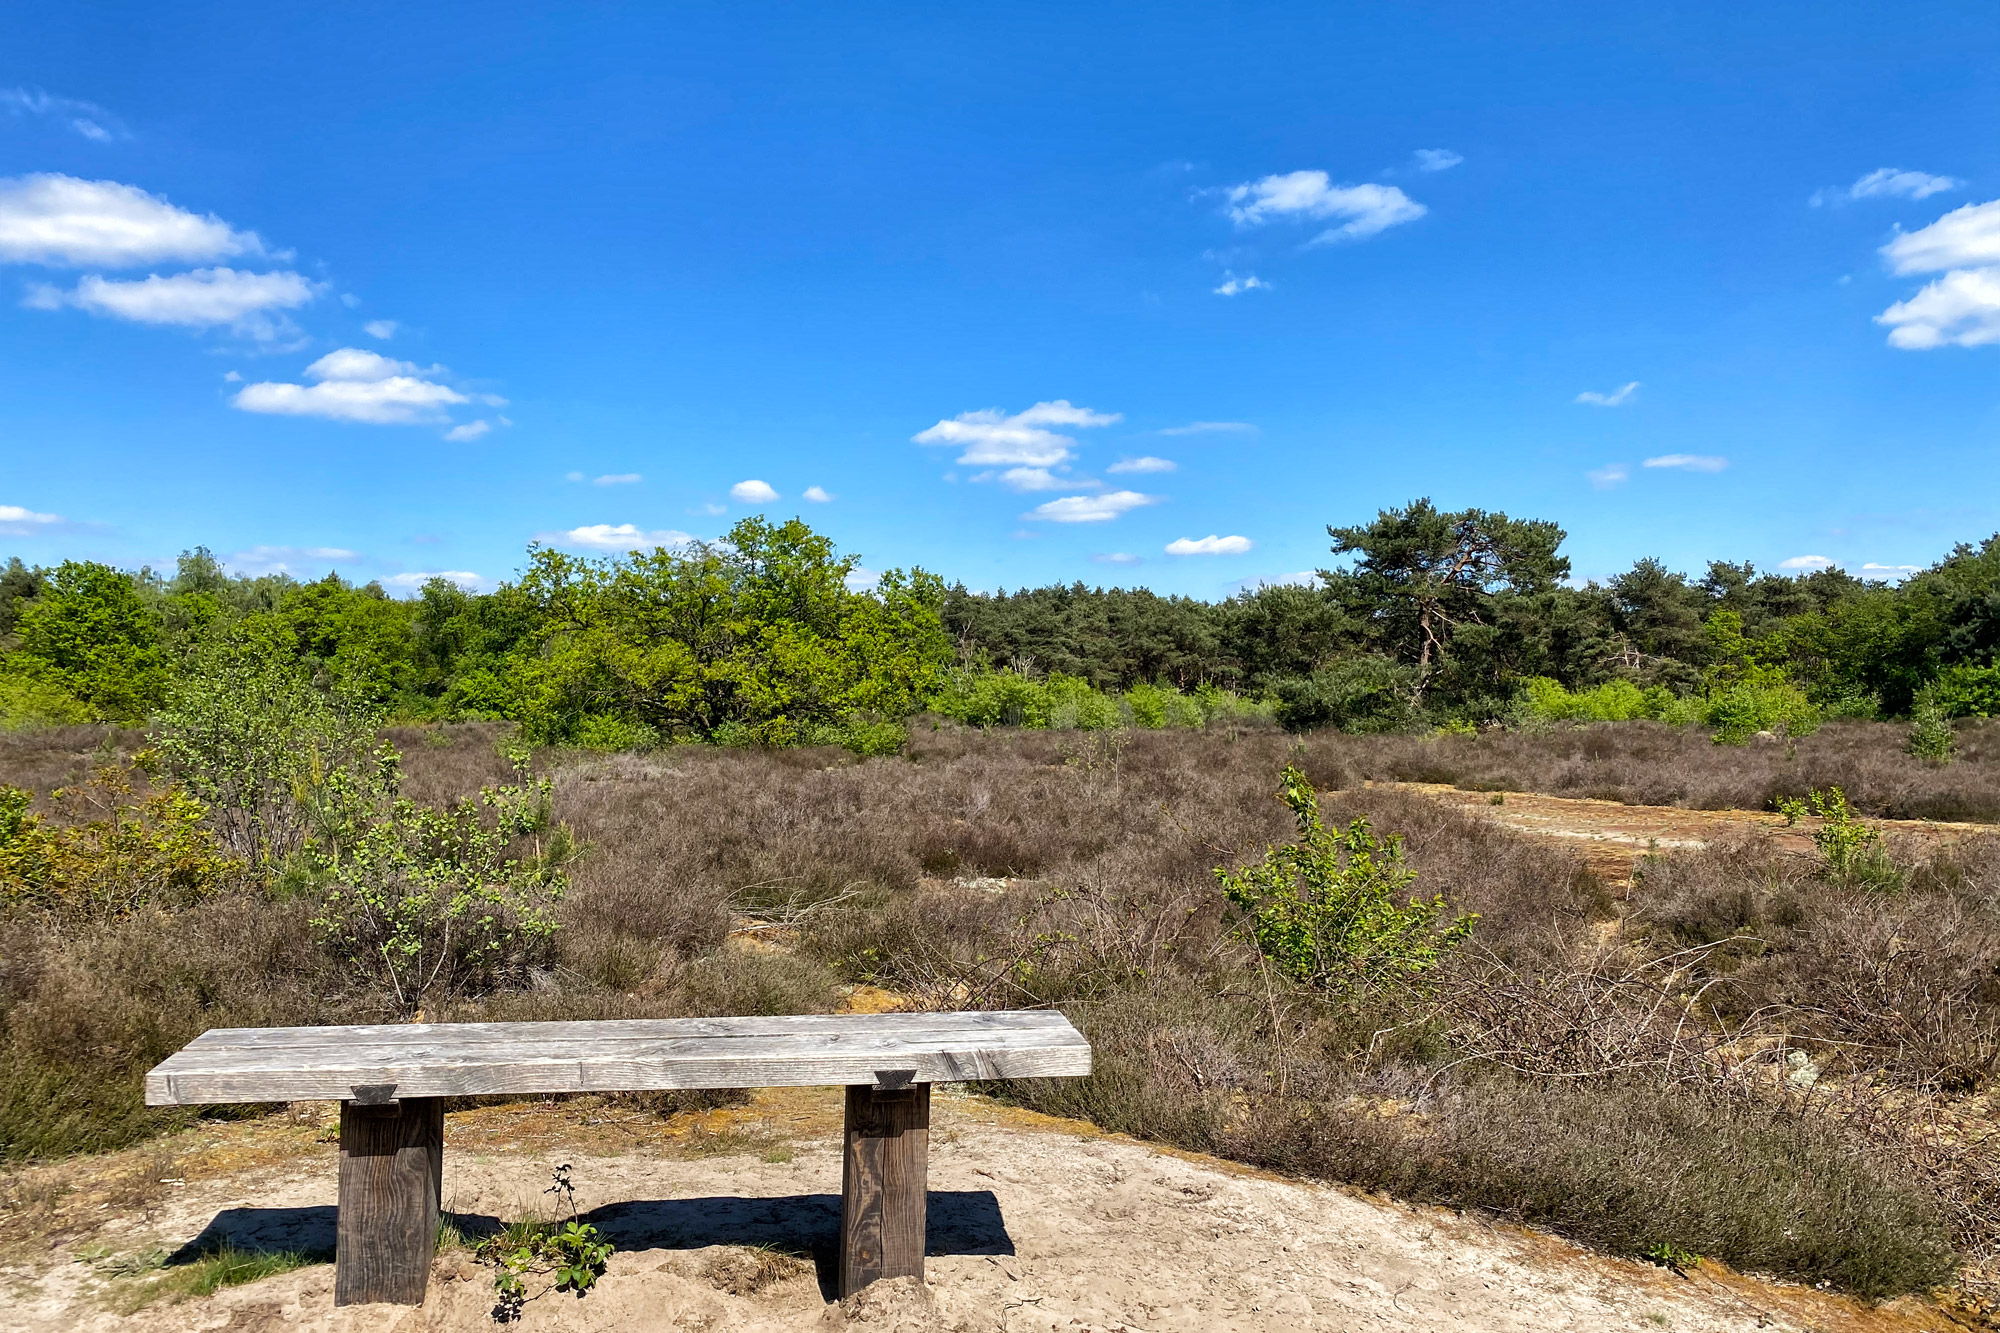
1424, 618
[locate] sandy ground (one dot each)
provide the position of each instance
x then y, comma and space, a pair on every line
1612, 837
1035, 1224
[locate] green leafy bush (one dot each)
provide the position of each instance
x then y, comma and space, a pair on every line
570, 1252
1850, 851
1965, 691
1324, 908
115, 853
1931, 736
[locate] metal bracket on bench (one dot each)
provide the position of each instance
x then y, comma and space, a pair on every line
888, 1080
381, 1095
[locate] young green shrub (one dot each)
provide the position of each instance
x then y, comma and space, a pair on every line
1363, 695
1966, 691
1148, 703
1930, 736
1850, 851
1072, 705
607, 733
568, 1251
1324, 908
437, 903
155, 851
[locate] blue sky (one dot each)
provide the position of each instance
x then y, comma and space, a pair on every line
1140, 294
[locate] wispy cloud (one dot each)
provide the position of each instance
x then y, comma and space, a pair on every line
819, 495
202, 298
1962, 307
1872, 568
1887, 183
1616, 398
1211, 428
1025, 479
88, 119
1611, 474
470, 430
753, 492
1090, 508
1806, 562
70, 223
19, 521
1233, 285
1366, 209
1144, 463
618, 479
1437, 159
384, 329
1209, 545
295, 560
1689, 462
357, 385
1116, 558
619, 537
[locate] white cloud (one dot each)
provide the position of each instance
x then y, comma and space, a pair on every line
1962, 307
1116, 558
1689, 462
1090, 508
1888, 183
18, 521
1231, 285
384, 329
619, 479
819, 495
64, 221
619, 537
1966, 237
288, 559
1368, 208
712, 509
860, 580
1147, 463
202, 298
1437, 159
357, 385
991, 438
1872, 568
1806, 562
1029, 479
1617, 397
1611, 474
753, 492
1209, 427
471, 430
1209, 545
88, 119
464, 578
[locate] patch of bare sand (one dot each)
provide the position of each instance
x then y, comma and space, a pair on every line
1612, 836
1036, 1224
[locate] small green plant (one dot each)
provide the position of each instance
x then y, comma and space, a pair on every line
1671, 1256
1324, 908
1931, 736
1850, 850
570, 1252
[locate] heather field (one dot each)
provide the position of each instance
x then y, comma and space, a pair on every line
1748, 1052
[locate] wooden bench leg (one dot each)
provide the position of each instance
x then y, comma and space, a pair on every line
882, 1184
391, 1177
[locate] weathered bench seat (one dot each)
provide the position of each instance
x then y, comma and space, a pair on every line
390, 1081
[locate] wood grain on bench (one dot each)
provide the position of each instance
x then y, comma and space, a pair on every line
473, 1059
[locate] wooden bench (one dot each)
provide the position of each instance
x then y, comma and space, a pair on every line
391, 1082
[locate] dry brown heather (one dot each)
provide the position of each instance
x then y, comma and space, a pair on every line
1650, 763
1557, 1072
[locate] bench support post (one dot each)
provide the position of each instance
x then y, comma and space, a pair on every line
391, 1178
882, 1186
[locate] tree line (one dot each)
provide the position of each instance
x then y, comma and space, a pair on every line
1423, 617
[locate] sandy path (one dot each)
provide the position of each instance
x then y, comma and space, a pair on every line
1036, 1224
1612, 836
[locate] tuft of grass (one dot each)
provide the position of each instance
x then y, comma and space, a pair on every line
153, 1278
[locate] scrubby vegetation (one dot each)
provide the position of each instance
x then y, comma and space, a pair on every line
1754, 1057
333, 806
